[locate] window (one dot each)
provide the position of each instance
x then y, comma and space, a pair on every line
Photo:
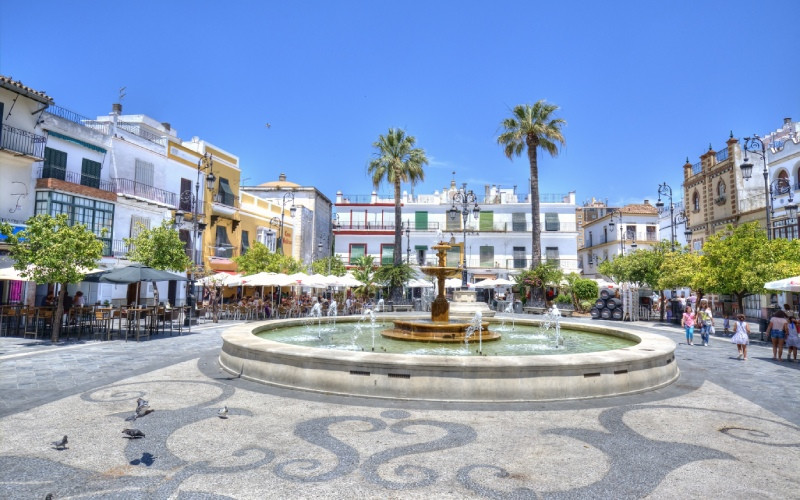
55, 164
139, 224
519, 257
453, 258
551, 222
143, 172
245, 242
266, 237
630, 233
421, 254
421, 221
223, 247
95, 215
785, 229
551, 255
184, 236
783, 185
590, 238
357, 250
225, 196
486, 221
90, 173
696, 202
387, 254
487, 256
651, 233
518, 224
453, 223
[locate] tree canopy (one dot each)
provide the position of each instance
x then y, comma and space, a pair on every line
259, 258
159, 248
49, 250
365, 273
533, 127
329, 266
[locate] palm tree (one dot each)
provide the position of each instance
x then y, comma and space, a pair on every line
397, 160
534, 127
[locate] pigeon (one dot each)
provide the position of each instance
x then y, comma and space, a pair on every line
142, 409
61, 445
223, 413
49, 496
133, 433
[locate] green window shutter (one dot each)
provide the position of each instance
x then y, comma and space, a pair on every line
421, 221
55, 164
387, 255
356, 252
90, 173
486, 221
551, 222
487, 256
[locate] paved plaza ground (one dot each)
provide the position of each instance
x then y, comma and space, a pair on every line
726, 429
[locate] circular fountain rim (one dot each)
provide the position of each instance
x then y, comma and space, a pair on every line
645, 366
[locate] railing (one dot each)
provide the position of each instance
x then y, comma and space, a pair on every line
697, 168
131, 187
75, 178
722, 154
366, 226
22, 141
226, 199
136, 129
119, 248
363, 198
68, 115
428, 199
226, 251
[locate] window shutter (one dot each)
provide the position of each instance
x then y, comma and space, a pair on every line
387, 254
245, 242
551, 222
518, 222
486, 220
487, 256
185, 196
135, 227
421, 221
143, 172
90, 173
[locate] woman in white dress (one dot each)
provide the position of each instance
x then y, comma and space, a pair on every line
792, 340
741, 336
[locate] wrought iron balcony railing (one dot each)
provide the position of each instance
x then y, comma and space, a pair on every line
50, 172
131, 187
22, 142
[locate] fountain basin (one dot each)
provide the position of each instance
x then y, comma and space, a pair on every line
437, 331
648, 365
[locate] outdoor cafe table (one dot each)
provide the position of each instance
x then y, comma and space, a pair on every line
134, 315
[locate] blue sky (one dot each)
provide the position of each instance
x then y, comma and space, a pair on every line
641, 84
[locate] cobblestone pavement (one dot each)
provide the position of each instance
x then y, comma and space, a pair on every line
726, 428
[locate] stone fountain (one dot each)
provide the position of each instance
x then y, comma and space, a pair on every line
439, 328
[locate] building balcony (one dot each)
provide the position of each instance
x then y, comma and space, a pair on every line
20, 142
222, 251
225, 205
497, 227
129, 188
75, 182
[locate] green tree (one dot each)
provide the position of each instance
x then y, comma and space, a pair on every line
740, 260
330, 266
160, 248
49, 250
397, 160
365, 273
545, 274
533, 127
680, 269
260, 259
394, 275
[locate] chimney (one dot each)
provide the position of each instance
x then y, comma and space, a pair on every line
646, 202
166, 126
282, 177
787, 121
116, 108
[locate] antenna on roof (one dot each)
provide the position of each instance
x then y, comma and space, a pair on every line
122, 94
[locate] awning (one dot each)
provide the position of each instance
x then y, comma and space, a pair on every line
485, 276
420, 247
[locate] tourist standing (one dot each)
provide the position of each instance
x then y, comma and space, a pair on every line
706, 321
792, 339
777, 329
79, 300
741, 336
687, 322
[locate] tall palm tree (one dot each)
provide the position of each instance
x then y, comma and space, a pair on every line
533, 127
397, 160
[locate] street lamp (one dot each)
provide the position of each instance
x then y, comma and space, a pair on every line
466, 203
205, 163
665, 190
777, 187
408, 242
292, 212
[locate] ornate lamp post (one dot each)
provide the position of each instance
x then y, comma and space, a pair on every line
408, 242
622, 232
772, 189
466, 203
205, 163
292, 212
665, 190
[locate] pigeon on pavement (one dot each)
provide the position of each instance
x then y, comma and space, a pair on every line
133, 433
223, 412
61, 445
142, 409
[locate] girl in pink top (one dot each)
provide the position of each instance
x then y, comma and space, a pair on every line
687, 321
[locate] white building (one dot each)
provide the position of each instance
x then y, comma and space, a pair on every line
498, 242
620, 232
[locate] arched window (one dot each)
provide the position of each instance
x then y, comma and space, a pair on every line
696, 201
783, 185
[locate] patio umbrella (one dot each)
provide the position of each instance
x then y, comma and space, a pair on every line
784, 285
417, 283
134, 273
490, 283
267, 279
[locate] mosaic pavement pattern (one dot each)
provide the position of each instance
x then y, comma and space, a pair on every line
705, 442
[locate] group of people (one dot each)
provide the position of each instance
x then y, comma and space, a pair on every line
783, 330
78, 300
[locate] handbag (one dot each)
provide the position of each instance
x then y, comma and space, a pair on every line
711, 330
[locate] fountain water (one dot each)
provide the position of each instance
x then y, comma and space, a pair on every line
368, 314
552, 325
332, 311
508, 310
316, 312
380, 307
476, 325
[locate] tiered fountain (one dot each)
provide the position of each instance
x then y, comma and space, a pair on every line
439, 328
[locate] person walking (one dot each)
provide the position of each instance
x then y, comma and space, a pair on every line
687, 322
741, 336
706, 320
778, 328
792, 339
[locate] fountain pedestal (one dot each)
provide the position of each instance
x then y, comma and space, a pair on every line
465, 304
